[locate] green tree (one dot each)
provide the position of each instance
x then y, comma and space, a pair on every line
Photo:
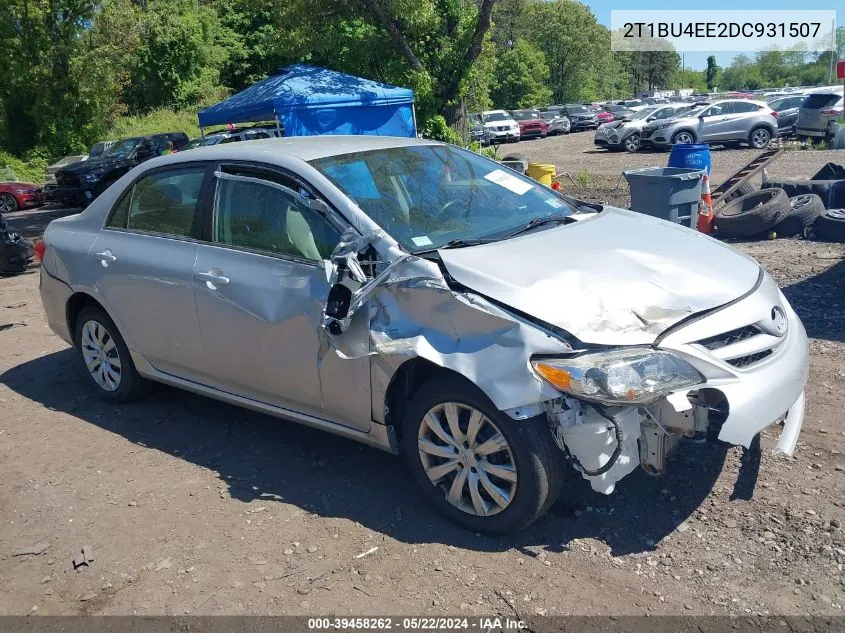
440, 41
711, 73
522, 76
182, 50
39, 97
571, 39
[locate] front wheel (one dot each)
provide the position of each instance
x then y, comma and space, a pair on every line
8, 204
632, 143
106, 357
683, 137
482, 469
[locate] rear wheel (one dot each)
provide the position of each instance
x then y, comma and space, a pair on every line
759, 138
106, 357
482, 469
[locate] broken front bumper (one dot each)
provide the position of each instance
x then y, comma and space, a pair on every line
755, 376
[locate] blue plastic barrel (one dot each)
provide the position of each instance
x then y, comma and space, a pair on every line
690, 156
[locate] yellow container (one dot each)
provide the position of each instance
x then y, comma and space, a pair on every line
542, 173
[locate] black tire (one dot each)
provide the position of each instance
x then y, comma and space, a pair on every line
830, 225
743, 190
10, 205
540, 465
753, 213
131, 385
804, 210
675, 139
760, 137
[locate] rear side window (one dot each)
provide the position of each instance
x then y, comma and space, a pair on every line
741, 107
166, 202
819, 101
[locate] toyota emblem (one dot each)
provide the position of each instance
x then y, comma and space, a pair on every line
779, 320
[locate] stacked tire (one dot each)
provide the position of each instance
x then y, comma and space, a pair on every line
830, 225
771, 211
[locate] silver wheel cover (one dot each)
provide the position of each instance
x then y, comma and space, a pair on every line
100, 355
464, 454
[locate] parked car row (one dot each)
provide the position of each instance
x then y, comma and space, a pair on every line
727, 121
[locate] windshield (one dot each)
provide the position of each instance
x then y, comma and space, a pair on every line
427, 195
694, 112
643, 113
576, 109
122, 148
496, 116
523, 115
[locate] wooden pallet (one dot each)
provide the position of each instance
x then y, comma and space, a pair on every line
751, 169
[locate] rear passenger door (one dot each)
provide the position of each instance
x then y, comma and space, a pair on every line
142, 264
261, 285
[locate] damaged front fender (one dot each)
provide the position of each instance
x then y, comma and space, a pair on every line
408, 310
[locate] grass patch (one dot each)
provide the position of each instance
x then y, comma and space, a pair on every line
157, 121
22, 169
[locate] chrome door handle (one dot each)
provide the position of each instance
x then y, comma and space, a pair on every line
213, 278
106, 257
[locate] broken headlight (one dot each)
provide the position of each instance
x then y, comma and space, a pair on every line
619, 377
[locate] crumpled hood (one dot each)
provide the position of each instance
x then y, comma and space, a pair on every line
617, 278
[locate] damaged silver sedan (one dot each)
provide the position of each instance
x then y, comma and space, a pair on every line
428, 301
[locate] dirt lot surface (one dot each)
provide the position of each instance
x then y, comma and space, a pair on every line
185, 505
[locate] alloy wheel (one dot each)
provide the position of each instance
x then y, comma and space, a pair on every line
100, 354
632, 143
7, 203
684, 138
760, 138
466, 455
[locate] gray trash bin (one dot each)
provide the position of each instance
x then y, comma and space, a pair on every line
669, 193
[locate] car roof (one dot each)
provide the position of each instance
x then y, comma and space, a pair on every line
305, 148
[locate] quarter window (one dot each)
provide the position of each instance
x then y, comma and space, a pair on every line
166, 202
741, 107
259, 216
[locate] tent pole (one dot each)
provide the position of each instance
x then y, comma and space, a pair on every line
202, 132
414, 114
278, 127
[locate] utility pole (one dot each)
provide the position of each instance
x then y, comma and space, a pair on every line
834, 51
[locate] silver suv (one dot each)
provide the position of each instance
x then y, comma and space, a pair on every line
727, 121
817, 112
626, 133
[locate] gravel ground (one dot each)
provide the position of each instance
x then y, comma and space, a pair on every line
185, 505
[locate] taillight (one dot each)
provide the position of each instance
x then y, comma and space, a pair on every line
833, 111
39, 249
774, 114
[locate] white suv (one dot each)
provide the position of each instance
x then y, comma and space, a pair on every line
500, 125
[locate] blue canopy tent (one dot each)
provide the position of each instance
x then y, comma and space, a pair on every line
312, 101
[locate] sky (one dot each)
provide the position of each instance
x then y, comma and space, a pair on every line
698, 60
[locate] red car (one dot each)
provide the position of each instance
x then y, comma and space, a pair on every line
530, 124
605, 117
19, 195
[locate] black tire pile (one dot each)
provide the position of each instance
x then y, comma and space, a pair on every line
15, 252
761, 213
